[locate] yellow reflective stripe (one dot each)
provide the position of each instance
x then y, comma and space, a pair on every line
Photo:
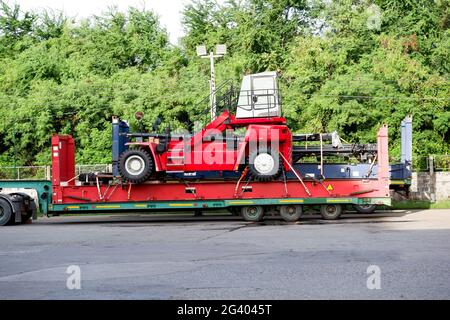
291, 201
111, 206
73, 207
397, 182
339, 200
241, 202
181, 204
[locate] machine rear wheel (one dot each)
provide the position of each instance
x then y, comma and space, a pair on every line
331, 211
135, 165
252, 213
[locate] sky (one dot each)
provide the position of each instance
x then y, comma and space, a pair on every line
169, 11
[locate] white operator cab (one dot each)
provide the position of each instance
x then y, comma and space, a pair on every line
259, 96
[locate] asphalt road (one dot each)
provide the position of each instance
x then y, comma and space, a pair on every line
146, 257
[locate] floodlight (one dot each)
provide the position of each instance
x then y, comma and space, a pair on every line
201, 50
221, 49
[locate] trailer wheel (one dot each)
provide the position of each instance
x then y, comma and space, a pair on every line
264, 164
331, 211
252, 213
30, 211
291, 213
6, 214
135, 165
365, 208
29, 206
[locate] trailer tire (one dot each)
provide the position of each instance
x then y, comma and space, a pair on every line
331, 211
264, 164
252, 213
291, 213
6, 213
365, 208
30, 212
135, 165
29, 206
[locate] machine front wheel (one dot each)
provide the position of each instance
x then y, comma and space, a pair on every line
135, 165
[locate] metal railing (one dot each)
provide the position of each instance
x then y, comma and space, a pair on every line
25, 173
440, 162
86, 168
230, 97
44, 172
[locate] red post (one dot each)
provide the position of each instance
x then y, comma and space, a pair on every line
63, 160
383, 159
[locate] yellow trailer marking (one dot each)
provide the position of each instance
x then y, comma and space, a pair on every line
339, 200
108, 206
400, 182
73, 207
240, 202
290, 201
181, 204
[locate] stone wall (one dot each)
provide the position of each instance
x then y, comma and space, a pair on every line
424, 185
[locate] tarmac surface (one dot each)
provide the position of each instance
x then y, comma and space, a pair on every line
390, 255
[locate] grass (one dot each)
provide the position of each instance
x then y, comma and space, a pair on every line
420, 204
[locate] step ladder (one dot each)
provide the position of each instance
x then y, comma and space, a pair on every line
175, 160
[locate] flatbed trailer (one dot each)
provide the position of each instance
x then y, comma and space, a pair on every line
64, 194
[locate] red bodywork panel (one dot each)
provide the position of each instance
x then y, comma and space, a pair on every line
63, 159
65, 192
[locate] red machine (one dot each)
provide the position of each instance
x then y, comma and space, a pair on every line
217, 146
213, 148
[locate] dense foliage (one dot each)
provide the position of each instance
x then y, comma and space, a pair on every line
346, 65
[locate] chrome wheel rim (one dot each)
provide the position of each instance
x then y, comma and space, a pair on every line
135, 165
264, 163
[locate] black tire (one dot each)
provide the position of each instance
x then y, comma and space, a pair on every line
331, 211
6, 213
365, 208
31, 209
29, 206
291, 213
273, 171
140, 158
252, 213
